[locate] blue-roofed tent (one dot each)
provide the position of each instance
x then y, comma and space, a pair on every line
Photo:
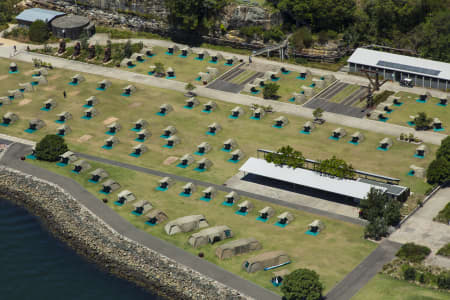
28, 16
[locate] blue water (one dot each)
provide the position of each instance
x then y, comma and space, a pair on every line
34, 265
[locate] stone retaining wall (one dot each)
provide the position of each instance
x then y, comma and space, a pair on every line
89, 236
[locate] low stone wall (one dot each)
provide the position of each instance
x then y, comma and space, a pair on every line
89, 236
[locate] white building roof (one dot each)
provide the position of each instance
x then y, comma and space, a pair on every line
308, 178
403, 63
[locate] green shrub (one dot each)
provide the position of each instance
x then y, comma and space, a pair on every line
413, 252
444, 215
409, 273
445, 251
39, 31
443, 280
302, 284
50, 148
270, 90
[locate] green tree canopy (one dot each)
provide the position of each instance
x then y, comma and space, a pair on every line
302, 284
39, 31
438, 171
286, 156
50, 148
444, 149
270, 90
422, 121
336, 167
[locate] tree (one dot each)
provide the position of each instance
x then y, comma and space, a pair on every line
39, 31
286, 156
323, 37
318, 113
301, 38
159, 69
376, 229
189, 87
127, 49
438, 171
336, 167
422, 121
50, 148
270, 90
302, 284
444, 149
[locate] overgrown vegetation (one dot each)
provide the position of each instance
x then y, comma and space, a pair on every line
302, 284
270, 90
444, 215
38, 31
7, 11
50, 148
413, 253
445, 250
439, 170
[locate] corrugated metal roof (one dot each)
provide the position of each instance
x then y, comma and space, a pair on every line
308, 178
34, 14
402, 63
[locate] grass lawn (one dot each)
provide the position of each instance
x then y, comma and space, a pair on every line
192, 126
386, 288
410, 107
333, 253
345, 93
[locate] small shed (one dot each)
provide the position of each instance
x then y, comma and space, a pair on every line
230, 60
9, 118
63, 130
443, 100
109, 186
77, 79
232, 197
139, 57
36, 124
280, 122
186, 160
266, 261
204, 77
64, 116
216, 57
186, 224
188, 189
236, 155
237, 247
210, 236
164, 109
15, 94
142, 207
339, 133
91, 101
258, 114
148, 51
125, 196
5, 101
80, 166
170, 72
98, 175
142, 135
308, 127
251, 88
127, 63
26, 87
185, 51
139, 149
156, 216
140, 124
285, 218
212, 71
90, 113
172, 49
437, 124
377, 115
203, 148
259, 82
40, 80
113, 128
298, 98
329, 78
421, 150
425, 96
203, 164
111, 141
68, 157
104, 84
40, 71
266, 213
214, 128
278, 277
385, 144
229, 145
173, 141
49, 104
304, 73
209, 193
245, 207
13, 67
129, 90
169, 131
209, 106
418, 172
357, 137
201, 54
316, 226
165, 182
192, 102
308, 91
384, 106
320, 84
237, 112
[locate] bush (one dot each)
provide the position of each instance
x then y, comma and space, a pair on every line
438, 171
443, 280
409, 273
445, 251
270, 90
50, 148
38, 31
413, 253
302, 284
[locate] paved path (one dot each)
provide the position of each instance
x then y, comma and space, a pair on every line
367, 269
11, 159
287, 108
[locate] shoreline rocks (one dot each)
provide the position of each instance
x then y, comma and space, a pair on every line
92, 238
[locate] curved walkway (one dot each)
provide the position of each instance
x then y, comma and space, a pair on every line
287, 108
11, 159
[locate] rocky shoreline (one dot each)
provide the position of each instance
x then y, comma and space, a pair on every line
89, 236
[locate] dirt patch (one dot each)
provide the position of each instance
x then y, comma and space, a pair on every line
54, 77
170, 160
85, 138
3, 77
28, 73
24, 102
110, 120
49, 88
135, 104
73, 93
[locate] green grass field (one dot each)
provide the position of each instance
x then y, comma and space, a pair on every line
386, 288
345, 93
401, 114
192, 126
333, 253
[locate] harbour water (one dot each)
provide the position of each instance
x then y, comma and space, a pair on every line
34, 265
